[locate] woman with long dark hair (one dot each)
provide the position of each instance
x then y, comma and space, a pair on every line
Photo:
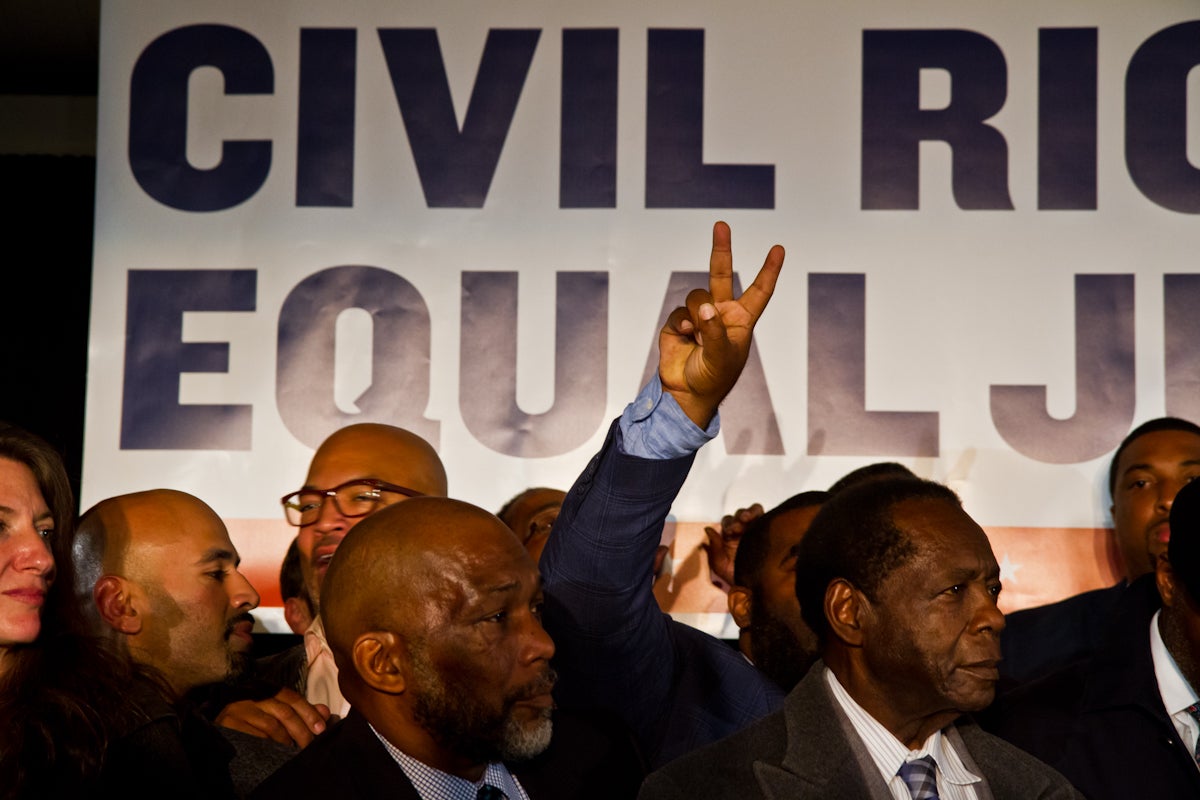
61, 690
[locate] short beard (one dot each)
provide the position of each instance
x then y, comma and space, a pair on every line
238, 661
776, 650
451, 712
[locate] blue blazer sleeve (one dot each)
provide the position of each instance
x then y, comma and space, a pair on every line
614, 646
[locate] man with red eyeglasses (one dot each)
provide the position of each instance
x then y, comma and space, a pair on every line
358, 470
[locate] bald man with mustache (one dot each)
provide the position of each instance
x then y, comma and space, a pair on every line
159, 577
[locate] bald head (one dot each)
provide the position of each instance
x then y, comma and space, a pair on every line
161, 574
371, 452
393, 572
433, 612
129, 534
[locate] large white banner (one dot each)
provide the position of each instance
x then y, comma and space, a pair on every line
469, 218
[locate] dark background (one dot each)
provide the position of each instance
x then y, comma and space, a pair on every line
49, 53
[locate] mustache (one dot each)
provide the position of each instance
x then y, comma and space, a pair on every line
535, 688
238, 620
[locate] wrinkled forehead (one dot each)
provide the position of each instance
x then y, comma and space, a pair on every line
943, 531
468, 571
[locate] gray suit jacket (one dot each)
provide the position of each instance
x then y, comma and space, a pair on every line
810, 750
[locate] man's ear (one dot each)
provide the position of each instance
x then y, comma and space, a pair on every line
114, 601
297, 615
845, 609
381, 660
741, 607
1164, 576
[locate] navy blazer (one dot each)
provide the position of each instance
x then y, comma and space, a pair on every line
676, 687
1038, 641
1102, 722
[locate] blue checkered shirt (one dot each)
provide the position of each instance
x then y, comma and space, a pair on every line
433, 784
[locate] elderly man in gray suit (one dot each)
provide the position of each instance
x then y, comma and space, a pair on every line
900, 585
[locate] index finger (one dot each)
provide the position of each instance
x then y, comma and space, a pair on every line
313, 716
720, 264
755, 298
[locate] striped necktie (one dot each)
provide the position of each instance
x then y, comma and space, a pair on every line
921, 777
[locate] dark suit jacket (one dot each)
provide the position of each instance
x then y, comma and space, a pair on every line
810, 750
1038, 641
1102, 722
348, 761
288, 668
675, 687
173, 753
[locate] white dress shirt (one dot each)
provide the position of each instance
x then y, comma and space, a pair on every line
954, 780
322, 683
1177, 694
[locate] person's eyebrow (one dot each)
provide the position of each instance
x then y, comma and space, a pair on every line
44, 515
308, 487
214, 554
503, 587
1191, 462
513, 585
967, 574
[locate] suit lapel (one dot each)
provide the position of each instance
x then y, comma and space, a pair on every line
983, 789
823, 756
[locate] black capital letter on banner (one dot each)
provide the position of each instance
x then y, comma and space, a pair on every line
158, 101
488, 364
676, 175
748, 422
325, 130
894, 124
1181, 336
1067, 118
1156, 118
399, 390
1105, 391
456, 167
587, 168
152, 417
839, 423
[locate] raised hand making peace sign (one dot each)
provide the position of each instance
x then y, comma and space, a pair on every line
704, 345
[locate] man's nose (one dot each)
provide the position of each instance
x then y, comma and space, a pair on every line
540, 647
329, 517
242, 593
